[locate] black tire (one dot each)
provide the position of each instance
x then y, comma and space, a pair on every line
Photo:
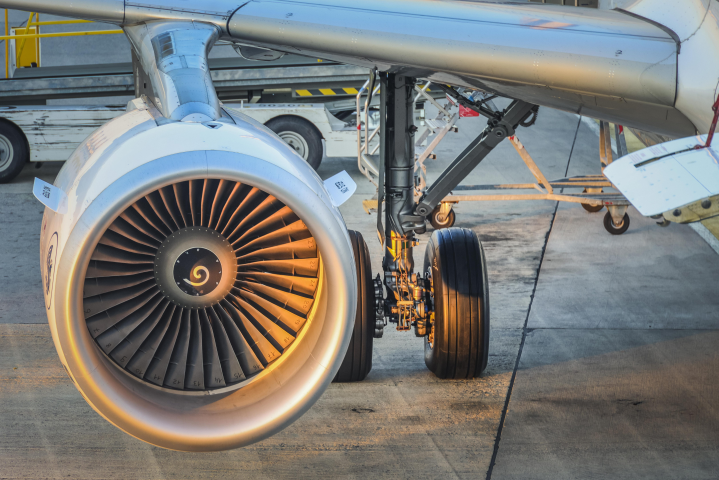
301, 135
358, 359
613, 229
460, 346
448, 221
14, 152
592, 208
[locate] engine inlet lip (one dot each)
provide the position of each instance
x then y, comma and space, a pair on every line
301, 378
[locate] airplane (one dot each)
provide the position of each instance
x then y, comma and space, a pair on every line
201, 287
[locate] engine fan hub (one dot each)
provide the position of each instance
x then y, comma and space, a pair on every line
195, 267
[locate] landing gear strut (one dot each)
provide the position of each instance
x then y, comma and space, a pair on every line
448, 302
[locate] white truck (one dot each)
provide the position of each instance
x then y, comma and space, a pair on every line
51, 133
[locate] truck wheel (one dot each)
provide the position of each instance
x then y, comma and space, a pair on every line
301, 135
458, 340
358, 359
13, 152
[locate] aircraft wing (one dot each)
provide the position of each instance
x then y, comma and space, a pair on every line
619, 66
597, 63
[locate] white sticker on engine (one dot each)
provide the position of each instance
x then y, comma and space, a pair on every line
50, 196
340, 187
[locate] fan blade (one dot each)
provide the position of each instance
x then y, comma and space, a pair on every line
224, 188
209, 190
290, 283
291, 233
102, 321
131, 342
116, 240
265, 351
228, 359
109, 269
157, 371
300, 266
157, 204
170, 201
124, 228
237, 196
175, 377
291, 321
280, 219
196, 201
182, 197
214, 378
279, 337
98, 286
114, 335
140, 362
100, 303
194, 373
132, 217
253, 198
268, 206
249, 362
280, 298
104, 253
143, 207
306, 248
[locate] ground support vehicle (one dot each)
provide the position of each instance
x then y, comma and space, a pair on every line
51, 133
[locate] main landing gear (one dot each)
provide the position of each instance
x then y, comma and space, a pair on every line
447, 302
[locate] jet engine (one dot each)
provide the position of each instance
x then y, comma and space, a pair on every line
199, 285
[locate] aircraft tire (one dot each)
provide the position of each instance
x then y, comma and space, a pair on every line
358, 359
460, 333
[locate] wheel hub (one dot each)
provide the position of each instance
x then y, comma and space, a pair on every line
297, 142
6, 152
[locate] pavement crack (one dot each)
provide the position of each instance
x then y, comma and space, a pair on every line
502, 419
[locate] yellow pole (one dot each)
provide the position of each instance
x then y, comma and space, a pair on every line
59, 22
7, 48
62, 34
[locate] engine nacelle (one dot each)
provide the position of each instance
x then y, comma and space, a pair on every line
200, 288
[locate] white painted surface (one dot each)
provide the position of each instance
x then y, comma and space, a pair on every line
674, 176
340, 187
340, 141
50, 196
54, 132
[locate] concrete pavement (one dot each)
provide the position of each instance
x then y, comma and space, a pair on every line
617, 375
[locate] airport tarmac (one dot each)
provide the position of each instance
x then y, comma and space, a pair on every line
603, 359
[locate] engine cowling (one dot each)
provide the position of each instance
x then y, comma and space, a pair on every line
199, 289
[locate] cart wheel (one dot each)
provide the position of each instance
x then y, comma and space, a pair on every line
301, 135
13, 151
614, 229
446, 223
458, 340
592, 208
358, 359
